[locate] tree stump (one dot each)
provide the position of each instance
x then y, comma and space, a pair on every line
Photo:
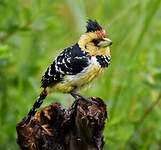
57, 128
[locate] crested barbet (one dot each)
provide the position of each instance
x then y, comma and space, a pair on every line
76, 66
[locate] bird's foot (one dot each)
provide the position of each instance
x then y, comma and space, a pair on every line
78, 96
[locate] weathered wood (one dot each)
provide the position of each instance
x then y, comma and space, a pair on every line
56, 128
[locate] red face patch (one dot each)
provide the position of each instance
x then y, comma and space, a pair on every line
101, 34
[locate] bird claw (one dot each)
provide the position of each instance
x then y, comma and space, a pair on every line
78, 96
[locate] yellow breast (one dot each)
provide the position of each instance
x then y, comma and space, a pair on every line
71, 82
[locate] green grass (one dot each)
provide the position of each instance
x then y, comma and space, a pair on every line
32, 33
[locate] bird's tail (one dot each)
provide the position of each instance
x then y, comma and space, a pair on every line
35, 107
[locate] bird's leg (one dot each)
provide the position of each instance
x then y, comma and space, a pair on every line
78, 95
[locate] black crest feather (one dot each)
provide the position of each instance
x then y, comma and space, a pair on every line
93, 26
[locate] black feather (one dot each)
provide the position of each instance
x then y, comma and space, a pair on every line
93, 26
104, 61
70, 62
96, 42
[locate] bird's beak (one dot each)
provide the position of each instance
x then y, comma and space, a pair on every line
105, 42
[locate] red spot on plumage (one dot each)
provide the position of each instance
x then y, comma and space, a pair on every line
101, 34
43, 92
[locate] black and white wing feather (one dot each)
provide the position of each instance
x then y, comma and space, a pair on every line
70, 62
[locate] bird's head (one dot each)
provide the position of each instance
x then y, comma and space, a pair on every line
95, 40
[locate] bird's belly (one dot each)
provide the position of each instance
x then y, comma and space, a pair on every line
72, 82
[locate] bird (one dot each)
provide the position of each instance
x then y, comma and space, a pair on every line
76, 66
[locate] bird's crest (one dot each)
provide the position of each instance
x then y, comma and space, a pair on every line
93, 26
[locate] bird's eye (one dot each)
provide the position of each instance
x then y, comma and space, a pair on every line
96, 42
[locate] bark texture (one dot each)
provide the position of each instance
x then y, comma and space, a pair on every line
57, 128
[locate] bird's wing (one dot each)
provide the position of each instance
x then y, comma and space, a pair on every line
70, 62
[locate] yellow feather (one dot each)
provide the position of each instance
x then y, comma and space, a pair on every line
70, 82
86, 44
68, 85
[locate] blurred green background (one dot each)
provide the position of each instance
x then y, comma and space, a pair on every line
32, 34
